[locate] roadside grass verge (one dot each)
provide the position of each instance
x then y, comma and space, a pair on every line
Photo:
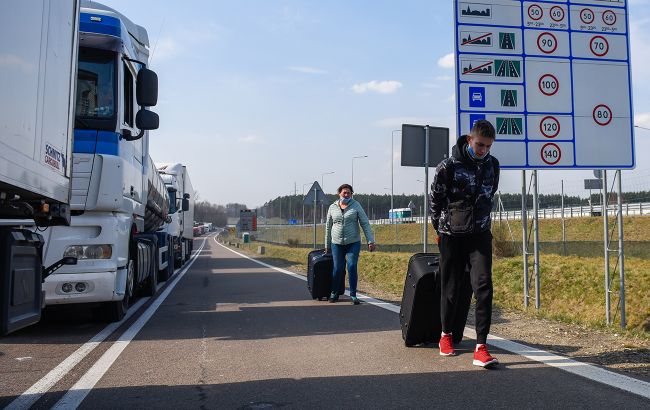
572, 288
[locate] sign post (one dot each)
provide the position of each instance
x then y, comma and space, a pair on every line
314, 197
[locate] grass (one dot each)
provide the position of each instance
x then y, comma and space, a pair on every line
572, 288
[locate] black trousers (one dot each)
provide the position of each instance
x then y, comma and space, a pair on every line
456, 253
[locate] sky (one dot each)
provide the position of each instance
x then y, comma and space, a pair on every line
260, 98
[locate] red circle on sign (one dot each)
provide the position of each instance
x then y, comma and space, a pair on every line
562, 15
539, 45
535, 7
541, 128
559, 153
541, 80
609, 12
608, 118
591, 20
605, 46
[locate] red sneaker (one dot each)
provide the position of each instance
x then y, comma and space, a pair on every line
446, 345
482, 357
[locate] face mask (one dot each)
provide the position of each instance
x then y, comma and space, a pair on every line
473, 154
346, 200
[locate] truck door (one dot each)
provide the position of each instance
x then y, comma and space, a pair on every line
135, 177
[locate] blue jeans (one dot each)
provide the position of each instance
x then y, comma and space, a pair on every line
341, 253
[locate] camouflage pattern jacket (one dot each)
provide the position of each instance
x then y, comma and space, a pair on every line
456, 179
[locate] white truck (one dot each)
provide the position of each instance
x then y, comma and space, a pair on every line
181, 209
38, 66
118, 200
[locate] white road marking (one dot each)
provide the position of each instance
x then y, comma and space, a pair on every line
585, 370
73, 398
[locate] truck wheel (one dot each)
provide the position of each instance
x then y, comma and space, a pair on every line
115, 311
151, 287
167, 273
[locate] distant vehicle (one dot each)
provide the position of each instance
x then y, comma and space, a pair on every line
401, 215
37, 78
197, 231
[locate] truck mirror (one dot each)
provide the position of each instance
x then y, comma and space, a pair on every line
186, 196
147, 120
186, 204
146, 91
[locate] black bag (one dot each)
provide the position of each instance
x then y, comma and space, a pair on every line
319, 274
420, 310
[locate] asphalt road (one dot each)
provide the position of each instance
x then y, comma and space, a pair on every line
233, 334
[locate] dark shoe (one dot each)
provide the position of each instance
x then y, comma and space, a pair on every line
446, 345
334, 297
355, 300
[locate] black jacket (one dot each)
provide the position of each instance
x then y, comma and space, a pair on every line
456, 179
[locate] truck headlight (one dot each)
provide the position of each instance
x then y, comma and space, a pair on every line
89, 251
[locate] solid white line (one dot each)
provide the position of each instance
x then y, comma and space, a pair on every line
38, 389
585, 370
73, 398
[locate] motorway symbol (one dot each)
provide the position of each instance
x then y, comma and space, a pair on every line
507, 68
548, 84
473, 118
476, 10
599, 46
549, 126
476, 39
602, 114
587, 16
535, 12
509, 126
547, 42
478, 67
477, 97
508, 98
557, 13
609, 17
551, 153
507, 41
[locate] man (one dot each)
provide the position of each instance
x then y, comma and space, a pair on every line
460, 203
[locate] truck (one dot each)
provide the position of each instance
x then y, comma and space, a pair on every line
181, 209
37, 78
118, 200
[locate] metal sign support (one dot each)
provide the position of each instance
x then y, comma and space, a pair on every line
606, 237
621, 253
536, 240
315, 201
425, 233
524, 242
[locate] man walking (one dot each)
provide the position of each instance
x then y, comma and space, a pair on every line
461, 202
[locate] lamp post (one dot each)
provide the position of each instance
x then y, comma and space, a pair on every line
392, 160
353, 158
322, 186
303, 208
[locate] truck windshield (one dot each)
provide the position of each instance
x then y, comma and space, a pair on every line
95, 100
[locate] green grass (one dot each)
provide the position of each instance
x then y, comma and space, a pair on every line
572, 288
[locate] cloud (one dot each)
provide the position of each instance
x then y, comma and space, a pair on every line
9, 60
165, 49
447, 61
642, 119
307, 70
396, 122
381, 87
250, 139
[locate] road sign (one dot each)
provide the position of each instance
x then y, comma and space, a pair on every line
413, 145
247, 220
553, 77
315, 194
593, 184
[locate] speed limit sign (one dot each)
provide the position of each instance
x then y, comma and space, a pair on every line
551, 153
602, 114
548, 84
599, 46
547, 42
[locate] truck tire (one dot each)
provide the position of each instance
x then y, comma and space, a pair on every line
178, 258
151, 286
115, 311
165, 274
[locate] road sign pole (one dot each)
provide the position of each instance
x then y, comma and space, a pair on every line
524, 242
536, 240
425, 232
621, 253
315, 201
606, 237
563, 222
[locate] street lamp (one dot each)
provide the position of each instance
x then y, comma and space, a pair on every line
392, 159
353, 158
322, 186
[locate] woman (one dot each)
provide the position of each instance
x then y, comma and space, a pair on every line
343, 239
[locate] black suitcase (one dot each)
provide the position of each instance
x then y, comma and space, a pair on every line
420, 310
319, 274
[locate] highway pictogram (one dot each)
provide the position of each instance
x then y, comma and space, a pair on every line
551, 153
548, 84
609, 17
535, 12
507, 68
602, 114
557, 13
549, 126
507, 41
599, 46
587, 16
509, 126
547, 42
508, 98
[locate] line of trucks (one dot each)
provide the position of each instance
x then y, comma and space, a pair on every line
86, 217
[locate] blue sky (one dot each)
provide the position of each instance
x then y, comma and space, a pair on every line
259, 97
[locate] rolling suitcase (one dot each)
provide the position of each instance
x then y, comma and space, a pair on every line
319, 274
420, 309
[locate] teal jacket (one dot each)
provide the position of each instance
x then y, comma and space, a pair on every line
343, 227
